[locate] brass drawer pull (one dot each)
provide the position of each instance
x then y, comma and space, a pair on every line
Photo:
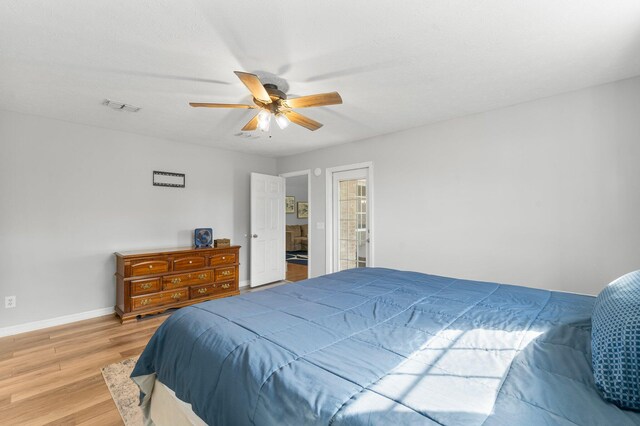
176, 295
145, 302
202, 276
176, 281
226, 273
202, 290
227, 285
145, 286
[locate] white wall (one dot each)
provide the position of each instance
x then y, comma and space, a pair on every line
298, 187
71, 195
543, 194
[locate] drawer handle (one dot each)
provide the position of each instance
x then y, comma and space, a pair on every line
176, 281
145, 302
202, 276
202, 290
226, 272
145, 286
227, 285
176, 295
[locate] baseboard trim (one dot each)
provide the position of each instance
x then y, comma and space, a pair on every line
52, 322
245, 283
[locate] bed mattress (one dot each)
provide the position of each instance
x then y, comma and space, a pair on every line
381, 346
165, 409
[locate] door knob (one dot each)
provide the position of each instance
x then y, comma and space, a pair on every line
255, 235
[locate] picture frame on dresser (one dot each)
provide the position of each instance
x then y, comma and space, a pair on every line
149, 282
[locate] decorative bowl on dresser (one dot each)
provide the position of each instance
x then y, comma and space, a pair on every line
152, 281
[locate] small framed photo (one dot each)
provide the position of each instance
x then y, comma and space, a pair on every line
303, 210
289, 204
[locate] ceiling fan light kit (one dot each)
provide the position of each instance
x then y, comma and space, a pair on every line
272, 101
282, 121
264, 120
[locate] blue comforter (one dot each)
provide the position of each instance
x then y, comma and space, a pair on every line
380, 346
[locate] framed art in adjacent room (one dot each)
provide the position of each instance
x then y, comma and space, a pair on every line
303, 210
289, 204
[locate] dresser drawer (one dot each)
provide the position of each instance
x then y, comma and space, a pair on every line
146, 286
222, 259
211, 289
148, 267
224, 274
183, 280
190, 262
159, 299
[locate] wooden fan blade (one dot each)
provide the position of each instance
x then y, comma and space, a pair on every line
321, 99
302, 120
252, 124
209, 105
254, 85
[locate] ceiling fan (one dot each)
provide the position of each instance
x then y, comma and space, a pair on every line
273, 102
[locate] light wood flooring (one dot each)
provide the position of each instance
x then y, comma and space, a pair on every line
52, 376
296, 272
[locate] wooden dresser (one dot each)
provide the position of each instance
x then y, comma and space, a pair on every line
149, 282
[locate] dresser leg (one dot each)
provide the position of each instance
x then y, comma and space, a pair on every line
128, 320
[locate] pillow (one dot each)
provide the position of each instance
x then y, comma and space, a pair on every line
615, 341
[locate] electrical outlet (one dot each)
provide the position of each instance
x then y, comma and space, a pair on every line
9, 301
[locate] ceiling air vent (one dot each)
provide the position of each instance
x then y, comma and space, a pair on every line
247, 135
120, 106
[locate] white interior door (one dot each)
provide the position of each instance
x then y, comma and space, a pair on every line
267, 229
351, 219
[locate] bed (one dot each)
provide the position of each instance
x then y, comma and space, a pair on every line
378, 346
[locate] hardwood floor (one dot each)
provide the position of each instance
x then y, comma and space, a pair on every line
52, 376
296, 272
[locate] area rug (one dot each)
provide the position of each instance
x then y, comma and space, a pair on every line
124, 392
298, 257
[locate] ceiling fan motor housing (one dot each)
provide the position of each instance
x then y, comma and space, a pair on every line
274, 92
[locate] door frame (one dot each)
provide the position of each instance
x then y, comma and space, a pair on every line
306, 172
329, 171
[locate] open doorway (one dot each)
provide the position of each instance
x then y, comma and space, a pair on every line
297, 225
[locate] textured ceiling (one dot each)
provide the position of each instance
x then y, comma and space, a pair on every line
396, 64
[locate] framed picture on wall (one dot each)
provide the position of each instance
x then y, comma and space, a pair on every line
289, 204
303, 210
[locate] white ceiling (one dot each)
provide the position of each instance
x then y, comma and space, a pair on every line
397, 64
